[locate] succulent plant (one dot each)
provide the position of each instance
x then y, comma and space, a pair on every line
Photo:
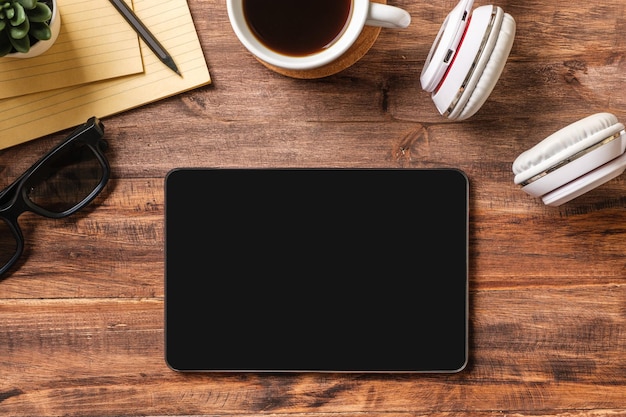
22, 23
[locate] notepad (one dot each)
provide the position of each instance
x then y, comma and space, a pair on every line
28, 117
95, 43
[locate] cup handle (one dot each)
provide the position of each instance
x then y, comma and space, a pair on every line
387, 16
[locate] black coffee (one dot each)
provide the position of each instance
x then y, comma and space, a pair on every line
296, 27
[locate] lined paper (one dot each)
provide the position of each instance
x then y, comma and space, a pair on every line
28, 117
94, 43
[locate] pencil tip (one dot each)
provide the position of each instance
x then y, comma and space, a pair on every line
173, 67
170, 63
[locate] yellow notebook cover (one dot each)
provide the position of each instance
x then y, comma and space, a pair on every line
34, 115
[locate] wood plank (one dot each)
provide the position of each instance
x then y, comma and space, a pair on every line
532, 350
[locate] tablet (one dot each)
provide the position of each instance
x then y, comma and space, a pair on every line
316, 270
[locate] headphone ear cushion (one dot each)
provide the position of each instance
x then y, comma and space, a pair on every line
562, 144
486, 75
573, 160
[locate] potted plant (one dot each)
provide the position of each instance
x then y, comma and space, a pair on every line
28, 27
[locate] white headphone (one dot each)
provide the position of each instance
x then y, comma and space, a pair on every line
573, 160
467, 58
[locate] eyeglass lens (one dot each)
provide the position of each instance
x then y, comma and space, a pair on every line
8, 243
66, 179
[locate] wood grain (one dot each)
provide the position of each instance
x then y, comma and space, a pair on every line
81, 318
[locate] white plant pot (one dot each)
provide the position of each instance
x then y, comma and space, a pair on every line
42, 46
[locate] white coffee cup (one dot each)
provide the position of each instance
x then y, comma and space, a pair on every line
362, 13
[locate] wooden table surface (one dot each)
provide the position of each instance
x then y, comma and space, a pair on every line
81, 317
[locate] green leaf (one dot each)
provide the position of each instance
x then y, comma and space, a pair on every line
20, 15
3, 24
41, 13
40, 31
28, 4
21, 45
19, 32
5, 44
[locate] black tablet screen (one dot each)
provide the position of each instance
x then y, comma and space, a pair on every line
323, 270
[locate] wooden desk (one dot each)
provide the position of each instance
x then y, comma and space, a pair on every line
81, 319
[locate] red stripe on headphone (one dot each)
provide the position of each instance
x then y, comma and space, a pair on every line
455, 55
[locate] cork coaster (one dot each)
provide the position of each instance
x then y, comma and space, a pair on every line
363, 44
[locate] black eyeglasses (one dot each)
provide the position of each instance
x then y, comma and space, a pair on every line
64, 181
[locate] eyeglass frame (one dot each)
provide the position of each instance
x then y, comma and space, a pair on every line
14, 201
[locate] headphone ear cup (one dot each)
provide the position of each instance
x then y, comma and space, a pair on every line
588, 182
481, 88
476, 67
573, 160
561, 145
